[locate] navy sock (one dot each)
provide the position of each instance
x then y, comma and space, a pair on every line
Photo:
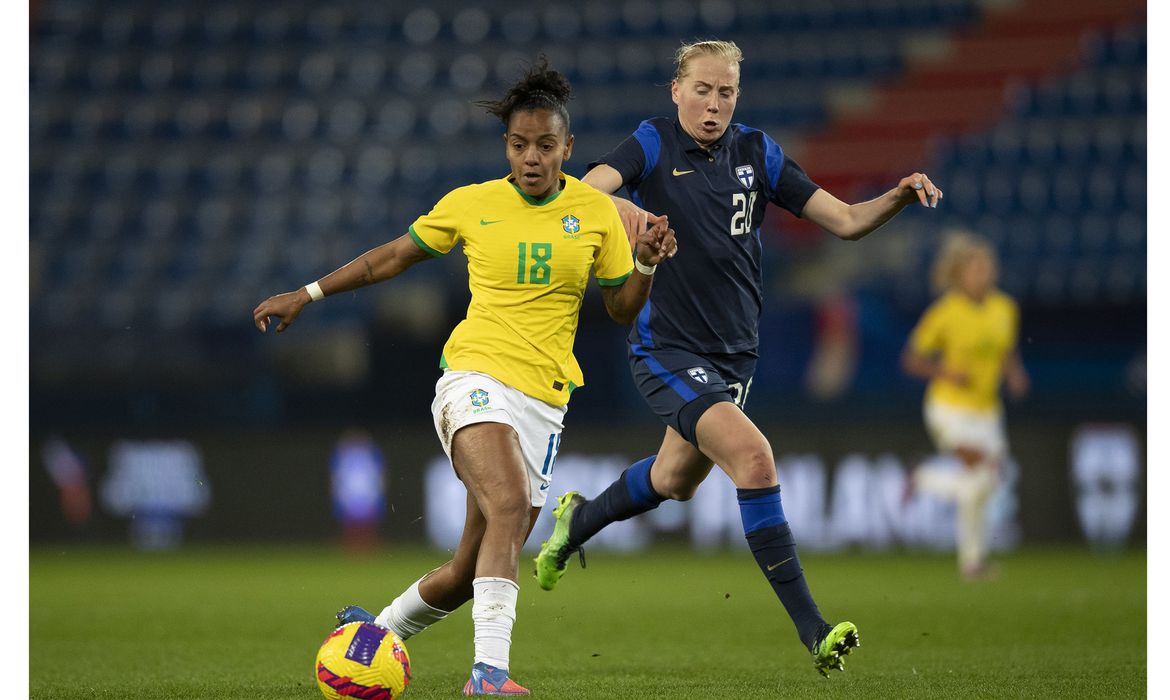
774, 548
630, 495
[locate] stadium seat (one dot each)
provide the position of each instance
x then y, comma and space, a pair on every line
1131, 232
1033, 191
315, 73
1095, 235
274, 173
325, 24
1049, 282
170, 173
1133, 188
467, 73
324, 168
1074, 141
221, 23
421, 26
162, 122
212, 71
271, 26
118, 26
1023, 239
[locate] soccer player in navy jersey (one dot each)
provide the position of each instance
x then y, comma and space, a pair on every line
694, 347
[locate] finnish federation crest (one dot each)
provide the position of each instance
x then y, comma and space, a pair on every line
746, 175
479, 398
571, 224
698, 374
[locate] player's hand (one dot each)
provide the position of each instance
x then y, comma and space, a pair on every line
285, 306
917, 186
656, 243
957, 378
1018, 383
635, 219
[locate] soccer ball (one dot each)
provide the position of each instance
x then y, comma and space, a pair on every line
363, 660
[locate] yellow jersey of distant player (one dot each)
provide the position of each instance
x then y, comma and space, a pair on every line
528, 262
971, 337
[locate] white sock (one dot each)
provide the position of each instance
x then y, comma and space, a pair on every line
977, 486
409, 614
493, 613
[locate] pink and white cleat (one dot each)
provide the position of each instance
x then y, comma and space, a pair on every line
489, 680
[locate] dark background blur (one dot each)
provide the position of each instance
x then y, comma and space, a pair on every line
188, 160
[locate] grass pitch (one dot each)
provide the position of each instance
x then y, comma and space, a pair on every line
246, 623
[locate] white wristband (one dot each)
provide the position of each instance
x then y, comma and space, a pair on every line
314, 291
644, 269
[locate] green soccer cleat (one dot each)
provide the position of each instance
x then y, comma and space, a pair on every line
553, 559
839, 641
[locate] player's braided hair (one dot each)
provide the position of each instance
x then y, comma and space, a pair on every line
541, 87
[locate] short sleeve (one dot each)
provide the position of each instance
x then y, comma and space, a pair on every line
437, 231
926, 338
614, 262
793, 187
635, 157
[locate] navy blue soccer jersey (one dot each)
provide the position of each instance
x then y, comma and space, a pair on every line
709, 297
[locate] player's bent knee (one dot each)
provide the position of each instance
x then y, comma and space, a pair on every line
684, 493
754, 470
678, 487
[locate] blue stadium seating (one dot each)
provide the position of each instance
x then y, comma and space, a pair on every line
243, 146
1060, 181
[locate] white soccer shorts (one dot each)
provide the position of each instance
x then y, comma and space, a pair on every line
465, 398
952, 427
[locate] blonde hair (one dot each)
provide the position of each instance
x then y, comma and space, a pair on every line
721, 49
958, 246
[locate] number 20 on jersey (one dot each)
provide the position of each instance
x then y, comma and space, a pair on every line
741, 217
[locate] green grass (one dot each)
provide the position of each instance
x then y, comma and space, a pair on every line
246, 622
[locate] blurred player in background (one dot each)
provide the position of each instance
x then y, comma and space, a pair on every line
531, 240
965, 346
68, 472
357, 481
694, 348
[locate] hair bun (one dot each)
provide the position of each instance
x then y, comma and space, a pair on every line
541, 87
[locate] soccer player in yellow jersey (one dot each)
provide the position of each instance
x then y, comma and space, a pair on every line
531, 240
965, 346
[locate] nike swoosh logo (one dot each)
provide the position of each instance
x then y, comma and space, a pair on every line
484, 222
773, 566
676, 172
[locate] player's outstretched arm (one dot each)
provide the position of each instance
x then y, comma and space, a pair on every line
854, 221
626, 300
376, 265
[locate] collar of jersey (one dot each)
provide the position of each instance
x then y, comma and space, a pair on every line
722, 142
533, 200
975, 303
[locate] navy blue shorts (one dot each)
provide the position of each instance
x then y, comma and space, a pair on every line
680, 386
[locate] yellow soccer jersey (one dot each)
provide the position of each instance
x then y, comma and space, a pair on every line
528, 262
971, 338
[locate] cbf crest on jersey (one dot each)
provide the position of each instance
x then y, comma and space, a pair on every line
479, 398
698, 374
746, 175
571, 224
